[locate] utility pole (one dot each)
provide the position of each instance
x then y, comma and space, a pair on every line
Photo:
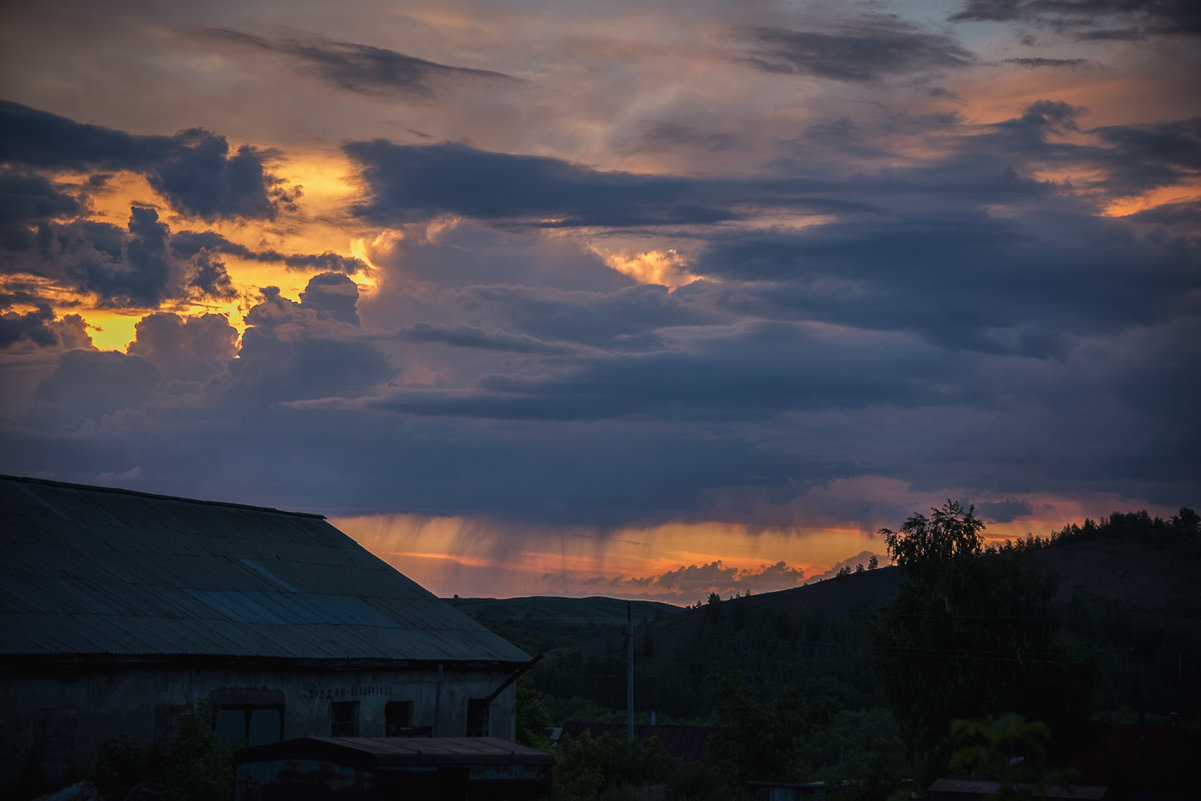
630, 672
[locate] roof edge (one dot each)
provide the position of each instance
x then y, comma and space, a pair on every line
121, 491
68, 663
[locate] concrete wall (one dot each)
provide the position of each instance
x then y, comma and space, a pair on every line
59, 721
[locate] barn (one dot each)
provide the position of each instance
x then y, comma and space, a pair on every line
121, 610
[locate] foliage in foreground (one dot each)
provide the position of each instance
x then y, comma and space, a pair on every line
607, 769
196, 766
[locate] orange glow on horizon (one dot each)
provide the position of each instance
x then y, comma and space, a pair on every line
473, 557
672, 562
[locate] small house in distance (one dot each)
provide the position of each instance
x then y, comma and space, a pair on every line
121, 610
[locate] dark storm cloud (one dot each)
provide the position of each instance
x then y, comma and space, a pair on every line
201, 177
624, 320
134, 267
1004, 511
147, 274
1184, 213
1092, 19
749, 374
414, 183
361, 68
185, 348
312, 349
193, 169
408, 183
1150, 156
963, 281
34, 326
189, 243
1058, 63
465, 336
861, 51
27, 199
332, 295
114, 381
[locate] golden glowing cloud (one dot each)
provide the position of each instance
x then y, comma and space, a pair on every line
665, 267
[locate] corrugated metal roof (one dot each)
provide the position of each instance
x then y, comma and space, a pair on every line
94, 571
398, 751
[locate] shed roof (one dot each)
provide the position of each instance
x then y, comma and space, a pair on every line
398, 751
95, 571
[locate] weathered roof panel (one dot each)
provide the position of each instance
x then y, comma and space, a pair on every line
93, 571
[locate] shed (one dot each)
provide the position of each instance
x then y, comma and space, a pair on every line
120, 610
369, 768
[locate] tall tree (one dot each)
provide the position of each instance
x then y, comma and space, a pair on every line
971, 635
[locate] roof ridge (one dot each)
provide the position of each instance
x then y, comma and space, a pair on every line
156, 496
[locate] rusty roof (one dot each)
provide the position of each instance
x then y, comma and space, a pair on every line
92, 571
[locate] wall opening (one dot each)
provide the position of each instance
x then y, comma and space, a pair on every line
477, 717
398, 718
252, 715
344, 719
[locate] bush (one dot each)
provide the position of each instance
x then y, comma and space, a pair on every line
196, 766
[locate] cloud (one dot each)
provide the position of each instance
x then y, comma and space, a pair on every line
1186, 213
312, 349
114, 382
689, 582
1085, 18
409, 183
421, 182
332, 295
26, 199
362, 68
189, 243
866, 50
465, 336
1004, 511
131, 268
1057, 63
185, 348
193, 169
34, 326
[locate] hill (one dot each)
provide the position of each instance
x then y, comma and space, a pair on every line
1128, 594
538, 624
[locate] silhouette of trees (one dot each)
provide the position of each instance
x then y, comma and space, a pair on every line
926, 544
972, 635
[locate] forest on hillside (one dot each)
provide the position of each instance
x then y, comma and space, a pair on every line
1013, 662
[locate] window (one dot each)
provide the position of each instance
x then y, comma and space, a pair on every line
250, 715
398, 718
477, 717
345, 719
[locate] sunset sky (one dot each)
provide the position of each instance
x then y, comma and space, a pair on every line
624, 298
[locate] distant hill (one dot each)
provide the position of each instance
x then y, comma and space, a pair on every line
1130, 595
539, 624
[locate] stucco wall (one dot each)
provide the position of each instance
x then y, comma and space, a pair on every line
56, 721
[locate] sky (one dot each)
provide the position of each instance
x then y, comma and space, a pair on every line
627, 298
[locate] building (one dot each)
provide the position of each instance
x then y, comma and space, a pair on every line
416, 769
120, 610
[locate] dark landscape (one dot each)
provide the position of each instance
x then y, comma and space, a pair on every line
795, 676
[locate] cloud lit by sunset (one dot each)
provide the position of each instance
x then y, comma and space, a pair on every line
627, 300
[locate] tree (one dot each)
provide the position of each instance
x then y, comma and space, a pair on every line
928, 543
532, 718
972, 635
